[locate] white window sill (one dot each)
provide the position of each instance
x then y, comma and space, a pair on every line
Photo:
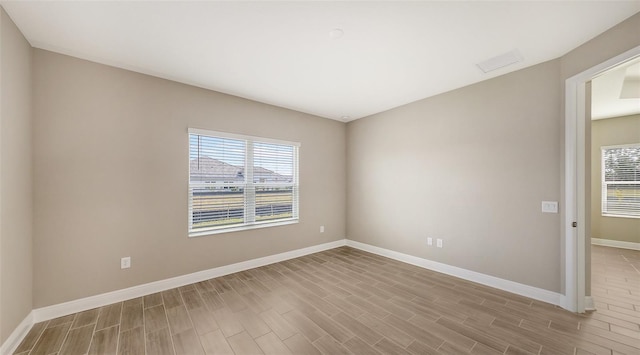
619, 216
257, 225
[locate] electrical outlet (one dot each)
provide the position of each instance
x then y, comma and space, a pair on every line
550, 206
125, 262
429, 241
439, 243
321, 229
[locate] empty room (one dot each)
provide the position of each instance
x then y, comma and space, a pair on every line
319, 177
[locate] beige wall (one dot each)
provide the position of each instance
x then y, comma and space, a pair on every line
436, 168
15, 178
111, 158
617, 40
470, 166
612, 131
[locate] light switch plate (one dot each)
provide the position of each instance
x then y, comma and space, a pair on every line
550, 206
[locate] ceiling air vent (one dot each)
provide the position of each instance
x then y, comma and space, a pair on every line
501, 61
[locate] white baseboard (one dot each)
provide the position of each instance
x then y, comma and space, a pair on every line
58, 310
11, 344
83, 304
487, 280
564, 303
615, 244
589, 304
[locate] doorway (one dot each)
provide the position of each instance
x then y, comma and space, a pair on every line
576, 219
615, 190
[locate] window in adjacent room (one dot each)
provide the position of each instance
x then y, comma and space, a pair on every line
240, 182
621, 181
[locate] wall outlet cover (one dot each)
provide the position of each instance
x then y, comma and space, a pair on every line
550, 206
125, 262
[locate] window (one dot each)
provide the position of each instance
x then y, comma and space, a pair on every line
621, 181
240, 182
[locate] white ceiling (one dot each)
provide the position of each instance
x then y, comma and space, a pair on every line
606, 91
282, 53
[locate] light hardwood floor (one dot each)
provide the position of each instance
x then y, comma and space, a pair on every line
346, 301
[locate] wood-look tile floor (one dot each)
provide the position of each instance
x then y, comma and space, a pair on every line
346, 301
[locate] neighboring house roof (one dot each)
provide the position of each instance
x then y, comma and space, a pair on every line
207, 169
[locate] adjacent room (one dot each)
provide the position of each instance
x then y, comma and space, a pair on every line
615, 159
317, 177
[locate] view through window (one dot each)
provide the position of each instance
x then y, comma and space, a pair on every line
238, 182
621, 181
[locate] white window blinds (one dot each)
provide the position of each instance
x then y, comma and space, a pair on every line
621, 181
238, 182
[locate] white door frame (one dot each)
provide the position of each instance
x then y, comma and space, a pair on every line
575, 177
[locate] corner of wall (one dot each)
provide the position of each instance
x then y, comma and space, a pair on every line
16, 205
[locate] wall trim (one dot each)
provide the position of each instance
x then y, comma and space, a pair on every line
83, 304
62, 309
565, 303
589, 304
487, 280
15, 338
58, 310
615, 243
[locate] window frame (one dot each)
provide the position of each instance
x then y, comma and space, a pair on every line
604, 183
249, 186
